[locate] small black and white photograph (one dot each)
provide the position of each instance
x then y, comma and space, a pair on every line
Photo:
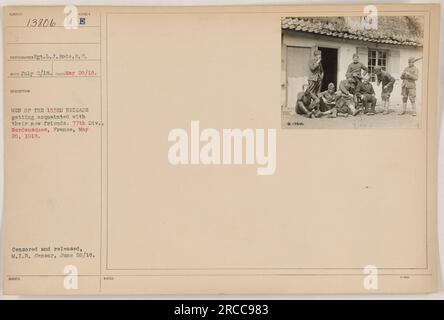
351, 72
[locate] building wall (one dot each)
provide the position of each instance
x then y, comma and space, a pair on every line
397, 60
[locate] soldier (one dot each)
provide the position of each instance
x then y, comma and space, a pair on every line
342, 106
366, 92
316, 74
355, 69
387, 81
327, 98
347, 90
347, 86
409, 77
306, 105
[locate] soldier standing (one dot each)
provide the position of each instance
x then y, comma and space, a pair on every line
409, 77
316, 74
387, 81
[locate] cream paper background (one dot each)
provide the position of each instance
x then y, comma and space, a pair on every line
286, 225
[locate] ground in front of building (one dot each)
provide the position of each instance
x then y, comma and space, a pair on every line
392, 120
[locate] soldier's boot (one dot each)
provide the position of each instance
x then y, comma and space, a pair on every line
404, 107
372, 110
385, 106
312, 114
365, 107
413, 109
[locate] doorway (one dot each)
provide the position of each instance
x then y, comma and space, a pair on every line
330, 66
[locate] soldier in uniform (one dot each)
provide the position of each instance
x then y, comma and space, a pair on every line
316, 74
327, 98
347, 96
355, 69
387, 81
343, 106
409, 77
306, 105
327, 104
366, 93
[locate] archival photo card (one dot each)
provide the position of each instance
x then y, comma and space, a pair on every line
145, 152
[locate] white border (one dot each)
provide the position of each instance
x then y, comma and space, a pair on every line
439, 295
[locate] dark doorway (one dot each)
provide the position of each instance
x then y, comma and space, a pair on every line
330, 65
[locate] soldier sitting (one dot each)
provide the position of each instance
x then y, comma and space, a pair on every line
344, 105
347, 90
366, 93
327, 98
306, 105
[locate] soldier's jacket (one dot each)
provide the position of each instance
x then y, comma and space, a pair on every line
328, 97
409, 77
304, 97
346, 87
365, 88
317, 72
343, 104
386, 78
355, 68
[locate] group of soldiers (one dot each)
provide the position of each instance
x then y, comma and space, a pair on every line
355, 94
